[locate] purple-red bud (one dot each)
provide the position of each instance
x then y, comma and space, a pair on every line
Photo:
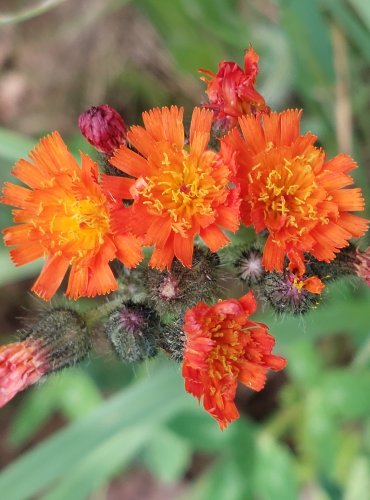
103, 127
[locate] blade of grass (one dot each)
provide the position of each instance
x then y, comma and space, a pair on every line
146, 403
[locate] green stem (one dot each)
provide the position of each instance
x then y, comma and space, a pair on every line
97, 314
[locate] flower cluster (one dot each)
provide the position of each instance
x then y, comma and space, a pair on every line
175, 195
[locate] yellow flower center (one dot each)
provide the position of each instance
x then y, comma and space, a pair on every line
73, 227
184, 186
288, 191
224, 357
298, 284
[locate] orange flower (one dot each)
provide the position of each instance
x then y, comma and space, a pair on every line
180, 191
21, 365
231, 91
64, 217
289, 188
223, 347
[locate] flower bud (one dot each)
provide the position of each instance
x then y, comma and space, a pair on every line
249, 266
231, 91
132, 330
288, 293
172, 292
349, 261
171, 339
103, 127
58, 340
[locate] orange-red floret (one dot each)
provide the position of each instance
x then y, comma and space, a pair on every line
231, 91
21, 365
223, 346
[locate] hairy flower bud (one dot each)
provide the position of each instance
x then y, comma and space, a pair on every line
288, 293
172, 292
249, 266
349, 261
132, 330
171, 339
103, 127
57, 340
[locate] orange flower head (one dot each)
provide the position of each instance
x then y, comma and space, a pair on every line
290, 189
231, 91
64, 217
21, 365
223, 347
180, 190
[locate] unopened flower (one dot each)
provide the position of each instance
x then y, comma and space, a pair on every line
289, 188
64, 217
103, 127
172, 292
57, 340
179, 191
132, 330
289, 293
249, 266
231, 91
21, 365
223, 347
171, 339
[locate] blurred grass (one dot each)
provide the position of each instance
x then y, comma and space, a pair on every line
316, 441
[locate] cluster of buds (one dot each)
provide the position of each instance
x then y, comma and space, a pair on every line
163, 209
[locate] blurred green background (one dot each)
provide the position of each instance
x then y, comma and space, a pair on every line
106, 431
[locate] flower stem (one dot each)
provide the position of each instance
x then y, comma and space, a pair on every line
97, 314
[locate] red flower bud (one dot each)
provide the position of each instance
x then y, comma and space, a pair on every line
103, 127
21, 364
231, 91
57, 340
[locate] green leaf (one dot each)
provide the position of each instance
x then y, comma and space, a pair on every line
76, 393
188, 41
358, 482
340, 398
356, 32
200, 430
220, 482
363, 10
147, 403
167, 456
101, 464
274, 475
305, 366
72, 392
346, 393
309, 40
